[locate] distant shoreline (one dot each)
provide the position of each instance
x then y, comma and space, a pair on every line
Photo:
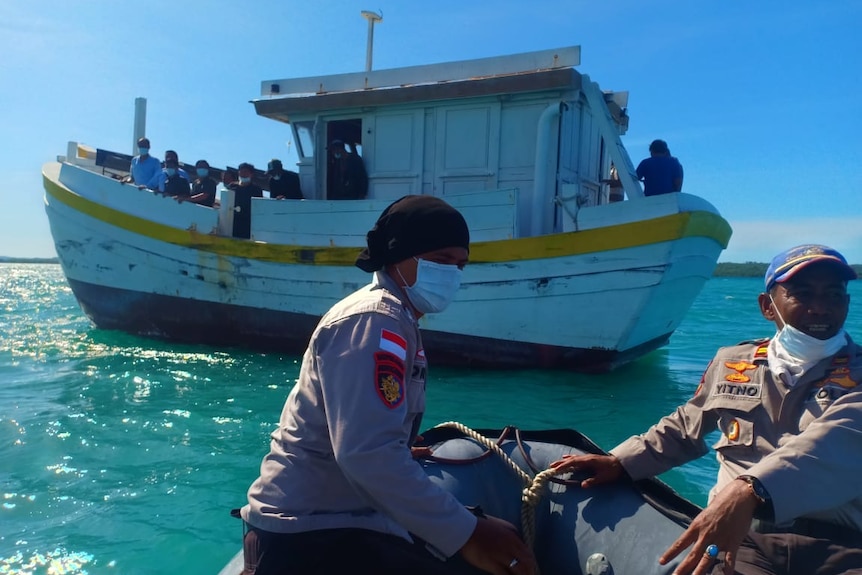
752, 270
722, 269
9, 260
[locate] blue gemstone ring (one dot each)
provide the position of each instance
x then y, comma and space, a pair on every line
712, 551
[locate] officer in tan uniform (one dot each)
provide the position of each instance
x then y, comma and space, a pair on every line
788, 498
339, 491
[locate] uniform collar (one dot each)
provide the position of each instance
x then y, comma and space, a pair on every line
383, 280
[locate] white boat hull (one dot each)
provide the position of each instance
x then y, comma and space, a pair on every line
589, 299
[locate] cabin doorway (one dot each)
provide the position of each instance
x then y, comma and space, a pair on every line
349, 133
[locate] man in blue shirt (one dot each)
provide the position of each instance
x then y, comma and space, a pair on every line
661, 173
144, 167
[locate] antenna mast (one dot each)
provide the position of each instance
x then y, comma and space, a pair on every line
372, 17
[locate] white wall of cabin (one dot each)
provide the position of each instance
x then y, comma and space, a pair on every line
453, 148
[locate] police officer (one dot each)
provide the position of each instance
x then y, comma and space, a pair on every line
788, 498
339, 491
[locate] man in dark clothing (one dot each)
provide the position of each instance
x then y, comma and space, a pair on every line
283, 184
204, 187
346, 176
243, 193
175, 184
229, 179
661, 173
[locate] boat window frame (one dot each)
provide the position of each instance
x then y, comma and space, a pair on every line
303, 135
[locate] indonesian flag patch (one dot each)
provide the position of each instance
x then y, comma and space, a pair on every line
393, 343
389, 378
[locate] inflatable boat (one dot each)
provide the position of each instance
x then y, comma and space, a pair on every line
618, 529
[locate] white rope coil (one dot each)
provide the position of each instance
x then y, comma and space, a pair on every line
532, 493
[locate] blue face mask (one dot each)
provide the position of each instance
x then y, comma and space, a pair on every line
171, 171
203, 172
143, 151
435, 286
245, 180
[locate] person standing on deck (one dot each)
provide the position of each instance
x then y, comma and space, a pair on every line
204, 187
340, 490
174, 184
243, 193
144, 167
229, 179
157, 182
346, 176
788, 499
283, 184
661, 173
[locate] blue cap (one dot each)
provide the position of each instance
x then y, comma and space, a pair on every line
787, 263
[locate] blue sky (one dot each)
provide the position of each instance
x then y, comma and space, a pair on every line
759, 100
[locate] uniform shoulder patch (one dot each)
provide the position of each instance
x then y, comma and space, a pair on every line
389, 378
393, 343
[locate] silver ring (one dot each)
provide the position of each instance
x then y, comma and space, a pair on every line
712, 551
513, 563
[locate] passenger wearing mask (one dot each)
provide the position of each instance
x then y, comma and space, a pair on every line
174, 184
157, 182
346, 178
243, 193
229, 179
144, 167
283, 184
204, 187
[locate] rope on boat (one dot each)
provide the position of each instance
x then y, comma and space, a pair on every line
562, 202
532, 493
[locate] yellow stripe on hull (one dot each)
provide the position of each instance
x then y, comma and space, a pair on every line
613, 237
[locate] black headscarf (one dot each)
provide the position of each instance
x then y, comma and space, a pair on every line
410, 226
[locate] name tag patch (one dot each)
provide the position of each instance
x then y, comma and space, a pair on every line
737, 390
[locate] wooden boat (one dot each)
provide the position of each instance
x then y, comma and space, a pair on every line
561, 275
611, 529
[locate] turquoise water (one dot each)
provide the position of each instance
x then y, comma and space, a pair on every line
124, 455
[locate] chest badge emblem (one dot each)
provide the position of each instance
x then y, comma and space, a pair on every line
739, 368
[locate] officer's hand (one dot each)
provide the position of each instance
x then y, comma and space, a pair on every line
724, 523
602, 468
495, 545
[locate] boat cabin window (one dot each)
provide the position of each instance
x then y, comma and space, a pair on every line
304, 136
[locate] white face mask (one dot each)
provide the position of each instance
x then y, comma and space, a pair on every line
435, 286
794, 351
